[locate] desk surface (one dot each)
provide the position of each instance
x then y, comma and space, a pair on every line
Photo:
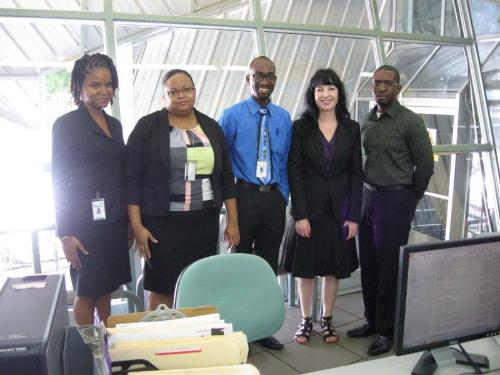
403, 365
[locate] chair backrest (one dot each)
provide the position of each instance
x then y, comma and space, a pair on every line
242, 287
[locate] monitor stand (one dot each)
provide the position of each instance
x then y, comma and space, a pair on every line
442, 357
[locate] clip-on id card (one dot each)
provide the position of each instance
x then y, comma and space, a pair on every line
98, 209
190, 171
261, 169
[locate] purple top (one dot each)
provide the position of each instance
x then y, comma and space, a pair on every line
329, 148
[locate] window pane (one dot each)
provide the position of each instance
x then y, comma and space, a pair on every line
217, 60
430, 217
345, 13
239, 10
481, 205
485, 16
439, 214
85, 5
490, 61
297, 57
419, 16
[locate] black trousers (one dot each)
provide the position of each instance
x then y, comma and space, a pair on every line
385, 226
261, 219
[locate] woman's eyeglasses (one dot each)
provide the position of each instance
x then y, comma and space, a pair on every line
177, 92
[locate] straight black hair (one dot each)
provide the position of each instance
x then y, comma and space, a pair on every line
325, 77
173, 72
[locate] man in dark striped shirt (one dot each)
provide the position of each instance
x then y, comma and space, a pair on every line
398, 166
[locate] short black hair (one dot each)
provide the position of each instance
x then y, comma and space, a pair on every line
391, 69
83, 66
325, 77
172, 73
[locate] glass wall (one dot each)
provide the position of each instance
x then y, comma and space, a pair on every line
239, 10
215, 40
431, 17
217, 60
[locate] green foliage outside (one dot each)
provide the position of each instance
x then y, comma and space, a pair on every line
58, 82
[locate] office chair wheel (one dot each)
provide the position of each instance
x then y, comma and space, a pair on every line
328, 330
304, 331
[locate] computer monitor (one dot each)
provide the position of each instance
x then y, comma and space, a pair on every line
448, 292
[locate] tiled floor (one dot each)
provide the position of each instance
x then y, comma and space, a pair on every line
317, 355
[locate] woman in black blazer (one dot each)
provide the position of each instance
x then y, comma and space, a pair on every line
88, 167
325, 176
178, 176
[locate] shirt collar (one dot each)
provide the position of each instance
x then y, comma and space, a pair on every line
254, 107
391, 111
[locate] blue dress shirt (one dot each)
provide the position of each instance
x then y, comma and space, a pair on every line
240, 124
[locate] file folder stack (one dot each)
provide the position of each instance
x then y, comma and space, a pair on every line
218, 370
193, 342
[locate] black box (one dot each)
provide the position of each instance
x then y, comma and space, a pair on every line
33, 319
77, 356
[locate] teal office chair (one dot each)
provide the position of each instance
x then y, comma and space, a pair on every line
242, 287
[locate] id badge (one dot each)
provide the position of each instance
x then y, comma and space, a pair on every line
261, 169
190, 171
98, 209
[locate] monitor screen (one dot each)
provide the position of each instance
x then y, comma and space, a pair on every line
448, 292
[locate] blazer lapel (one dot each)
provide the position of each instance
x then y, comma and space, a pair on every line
339, 152
89, 123
319, 150
164, 137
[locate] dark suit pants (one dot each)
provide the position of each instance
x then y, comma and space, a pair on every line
384, 227
261, 219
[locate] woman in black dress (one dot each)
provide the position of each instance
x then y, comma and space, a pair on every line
178, 176
88, 161
325, 176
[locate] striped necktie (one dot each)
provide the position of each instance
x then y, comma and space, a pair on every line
264, 156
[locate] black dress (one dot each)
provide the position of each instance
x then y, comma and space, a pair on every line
325, 253
87, 164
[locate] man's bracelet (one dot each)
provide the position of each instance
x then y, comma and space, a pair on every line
64, 237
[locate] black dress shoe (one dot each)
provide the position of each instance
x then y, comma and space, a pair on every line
380, 345
271, 343
361, 331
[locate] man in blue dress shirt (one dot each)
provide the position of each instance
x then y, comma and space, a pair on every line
258, 134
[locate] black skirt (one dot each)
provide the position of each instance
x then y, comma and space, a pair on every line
107, 266
183, 238
325, 253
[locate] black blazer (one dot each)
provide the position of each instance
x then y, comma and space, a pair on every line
312, 182
86, 163
148, 163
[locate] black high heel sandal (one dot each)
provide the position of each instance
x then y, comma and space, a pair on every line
328, 330
304, 330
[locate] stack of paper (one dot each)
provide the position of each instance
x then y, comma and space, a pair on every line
218, 370
201, 341
148, 332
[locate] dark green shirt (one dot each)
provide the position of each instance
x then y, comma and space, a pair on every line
397, 149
